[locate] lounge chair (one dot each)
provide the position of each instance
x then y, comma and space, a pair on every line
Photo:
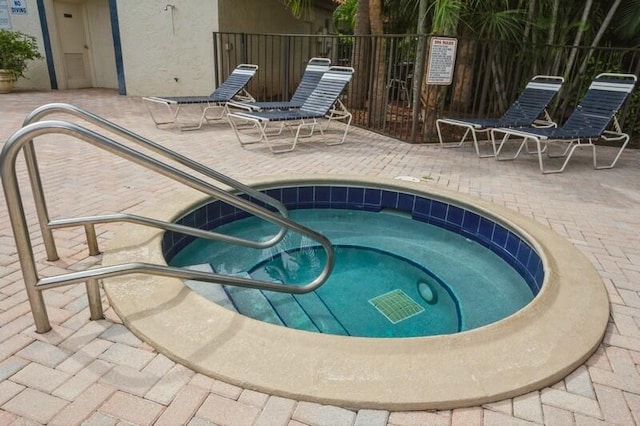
528, 110
310, 79
594, 118
320, 105
234, 87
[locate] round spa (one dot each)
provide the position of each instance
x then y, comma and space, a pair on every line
437, 299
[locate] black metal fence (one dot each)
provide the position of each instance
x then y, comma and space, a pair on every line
388, 93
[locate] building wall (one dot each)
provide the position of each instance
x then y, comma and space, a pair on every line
101, 42
99, 39
168, 52
165, 50
269, 53
37, 75
264, 16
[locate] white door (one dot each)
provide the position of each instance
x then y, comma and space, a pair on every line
73, 40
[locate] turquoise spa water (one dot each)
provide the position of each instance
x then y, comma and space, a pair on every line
393, 277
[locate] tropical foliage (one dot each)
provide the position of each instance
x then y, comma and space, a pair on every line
535, 21
542, 36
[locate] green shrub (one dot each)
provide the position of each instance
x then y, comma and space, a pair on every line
16, 49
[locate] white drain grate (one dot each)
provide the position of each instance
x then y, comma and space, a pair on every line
396, 306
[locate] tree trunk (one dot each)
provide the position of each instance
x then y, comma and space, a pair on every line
530, 16
578, 39
445, 22
498, 81
598, 37
360, 57
418, 70
554, 21
463, 77
378, 108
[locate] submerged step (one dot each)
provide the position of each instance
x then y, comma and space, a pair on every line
211, 291
321, 316
253, 303
290, 311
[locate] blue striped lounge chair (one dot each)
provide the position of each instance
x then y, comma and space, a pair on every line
313, 72
529, 109
594, 118
250, 126
233, 88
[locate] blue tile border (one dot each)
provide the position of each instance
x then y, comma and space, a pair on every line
505, 243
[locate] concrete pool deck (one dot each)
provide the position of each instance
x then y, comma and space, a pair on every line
100, 373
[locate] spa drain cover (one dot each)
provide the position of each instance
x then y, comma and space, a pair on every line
396, 306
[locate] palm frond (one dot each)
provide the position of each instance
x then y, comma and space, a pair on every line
627, 20
299, 8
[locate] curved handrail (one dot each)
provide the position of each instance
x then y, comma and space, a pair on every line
147, 221
173, 272
52, 108
34, 285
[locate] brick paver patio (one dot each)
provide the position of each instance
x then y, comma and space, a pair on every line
98, 373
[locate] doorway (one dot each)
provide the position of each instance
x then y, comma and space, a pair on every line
87, 55
72, 31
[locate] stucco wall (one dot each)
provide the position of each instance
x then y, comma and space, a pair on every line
37, 76
157, 51
265, 16
101, 41
164, 52
270, 17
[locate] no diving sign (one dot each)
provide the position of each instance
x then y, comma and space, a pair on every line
18, 7
442, 58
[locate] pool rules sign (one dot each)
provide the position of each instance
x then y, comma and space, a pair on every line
442, 58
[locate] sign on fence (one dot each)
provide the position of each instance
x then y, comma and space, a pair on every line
442, 58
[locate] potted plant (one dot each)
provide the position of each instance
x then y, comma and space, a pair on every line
16, 49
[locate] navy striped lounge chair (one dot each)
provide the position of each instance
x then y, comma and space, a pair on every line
250, 127
594, 118
233, 88
528, 110
313, 72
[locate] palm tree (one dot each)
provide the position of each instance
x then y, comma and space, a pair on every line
377, 111
627, 18
360, 57
603, 27
526, 23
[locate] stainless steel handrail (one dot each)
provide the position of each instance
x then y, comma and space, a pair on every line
169, 271
36, 182
147, 221
24, 137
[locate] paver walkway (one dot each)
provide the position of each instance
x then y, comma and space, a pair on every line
98, 373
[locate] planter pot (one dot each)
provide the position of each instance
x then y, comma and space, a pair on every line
7, 80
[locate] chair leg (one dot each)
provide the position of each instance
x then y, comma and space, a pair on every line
277, 132
204, 117
571, 150
349, 117
564, 153
223, 112
477, 145
453, 144
337, 113
469, 130
241, 136
187, 127
505, 139
173, 113
540, 149
625, 137
295, 130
